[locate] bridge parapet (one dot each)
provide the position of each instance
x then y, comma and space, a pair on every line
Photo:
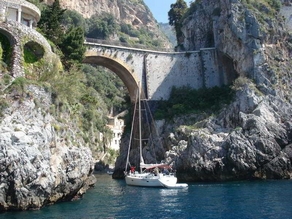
121, 44
159, 71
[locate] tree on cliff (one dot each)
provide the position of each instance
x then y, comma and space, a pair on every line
102, 26
50, 22
72, 46
175, 15
69, 39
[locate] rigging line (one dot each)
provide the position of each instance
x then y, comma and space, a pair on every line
155, 128
130, 140
150, 122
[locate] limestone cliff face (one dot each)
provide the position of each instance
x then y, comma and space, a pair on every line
135, 13
37, 165
252, 137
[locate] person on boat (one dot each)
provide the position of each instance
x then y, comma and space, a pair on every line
165, 171
156, 171
133, 169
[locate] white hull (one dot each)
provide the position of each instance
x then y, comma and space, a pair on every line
176, 186
149, 179
168, 185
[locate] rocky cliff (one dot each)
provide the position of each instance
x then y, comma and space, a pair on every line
37, 165
251, 138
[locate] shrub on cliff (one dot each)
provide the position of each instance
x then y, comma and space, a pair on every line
185, 100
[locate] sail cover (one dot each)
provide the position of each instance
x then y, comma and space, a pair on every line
150, 166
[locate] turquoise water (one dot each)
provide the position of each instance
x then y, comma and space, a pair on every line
113, 199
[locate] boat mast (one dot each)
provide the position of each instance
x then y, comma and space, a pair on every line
140, 127
131, 135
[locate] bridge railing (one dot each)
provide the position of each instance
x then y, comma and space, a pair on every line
119, 43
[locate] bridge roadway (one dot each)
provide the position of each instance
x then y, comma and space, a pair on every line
158, 71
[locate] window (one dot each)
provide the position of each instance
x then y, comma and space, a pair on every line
25, 22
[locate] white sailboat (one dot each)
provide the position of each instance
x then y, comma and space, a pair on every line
150, 175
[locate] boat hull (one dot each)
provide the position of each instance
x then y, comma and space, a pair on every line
176, 186
149, 180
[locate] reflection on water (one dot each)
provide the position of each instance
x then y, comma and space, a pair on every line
173, 200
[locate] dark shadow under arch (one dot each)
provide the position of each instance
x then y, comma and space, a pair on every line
123, 73
9, 36
8, 42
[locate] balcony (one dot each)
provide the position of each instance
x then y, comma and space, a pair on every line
21, 11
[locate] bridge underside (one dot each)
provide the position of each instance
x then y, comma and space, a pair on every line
121, 70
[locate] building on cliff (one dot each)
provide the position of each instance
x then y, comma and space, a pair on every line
21, 11
116, 125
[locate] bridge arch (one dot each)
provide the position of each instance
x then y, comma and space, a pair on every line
123, 72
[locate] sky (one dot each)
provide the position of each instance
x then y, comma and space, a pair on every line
159, 9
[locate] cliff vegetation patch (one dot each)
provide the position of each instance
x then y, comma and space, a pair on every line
33, 52
185, 100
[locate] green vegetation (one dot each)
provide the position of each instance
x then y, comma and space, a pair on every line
266, 6
86, 94
18, 87
2, 64
264, 10
140, 37
111, 156
73, 19
69, 40
72, 46
3, 105
33, 52
101, 26
29, 56
50, 22
186, 100
175, 16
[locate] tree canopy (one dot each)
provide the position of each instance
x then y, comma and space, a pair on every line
101, 26
50, 22
175, 14
72, 45
69, 38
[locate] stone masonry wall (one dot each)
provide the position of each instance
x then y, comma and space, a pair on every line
160, 71
19, 35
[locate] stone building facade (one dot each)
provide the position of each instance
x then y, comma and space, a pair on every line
21, 11
116, 125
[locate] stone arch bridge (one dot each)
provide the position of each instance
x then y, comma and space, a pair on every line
158, 71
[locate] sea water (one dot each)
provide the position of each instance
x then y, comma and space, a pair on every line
111, 199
